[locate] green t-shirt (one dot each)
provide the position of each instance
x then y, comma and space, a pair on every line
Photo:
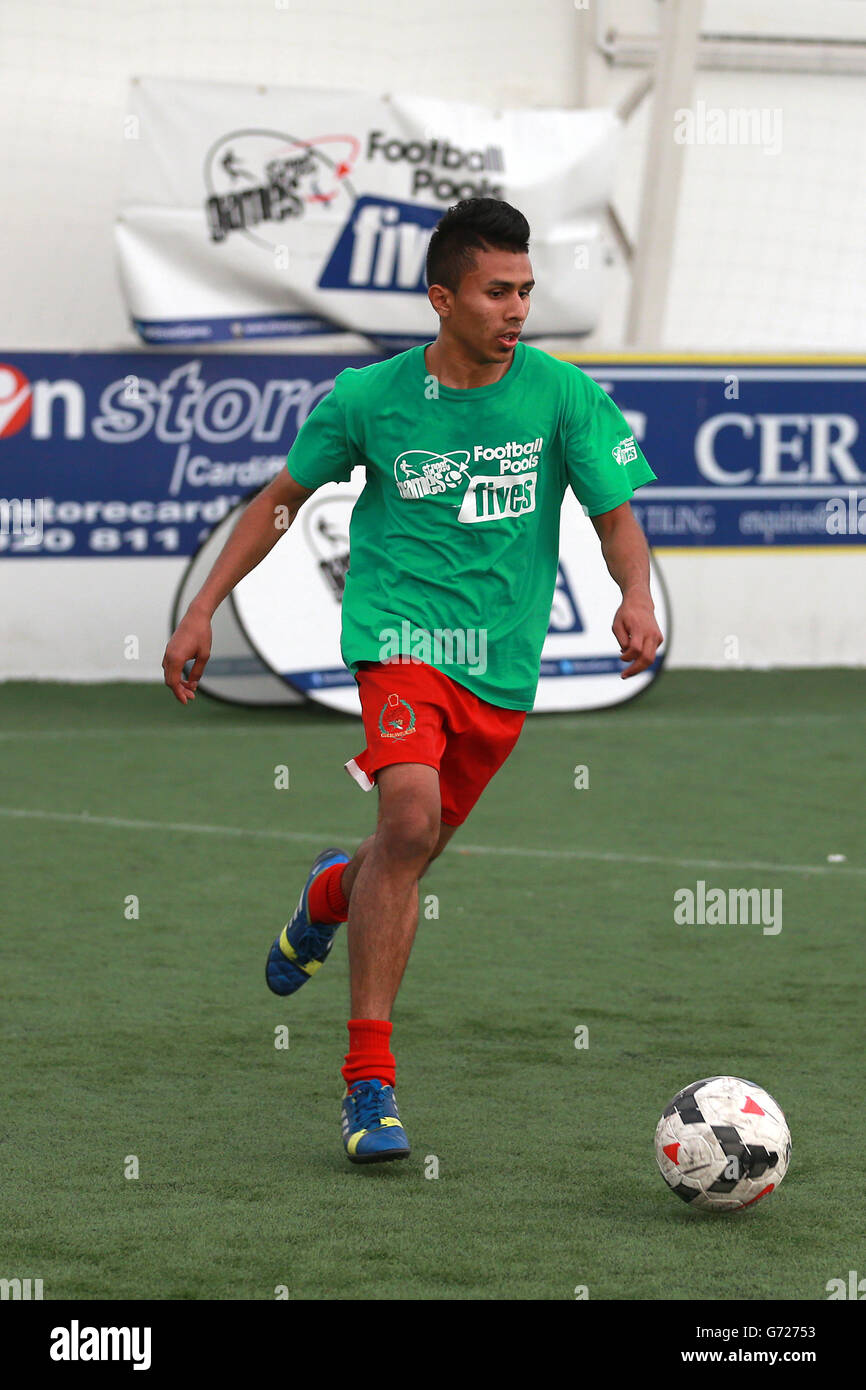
454, 540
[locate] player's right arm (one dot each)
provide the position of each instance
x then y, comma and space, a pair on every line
264, 521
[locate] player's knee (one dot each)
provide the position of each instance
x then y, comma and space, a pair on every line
409, 812
410, 833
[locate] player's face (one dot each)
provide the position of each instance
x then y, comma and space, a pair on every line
489, 310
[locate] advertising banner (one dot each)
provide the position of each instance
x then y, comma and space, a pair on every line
580, 664
253, 212
758, 456
143, 454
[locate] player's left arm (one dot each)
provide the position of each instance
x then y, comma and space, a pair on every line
626, 555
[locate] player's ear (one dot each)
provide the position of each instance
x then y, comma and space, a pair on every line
440, 300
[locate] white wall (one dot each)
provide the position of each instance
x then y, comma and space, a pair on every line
758, 610
76, 615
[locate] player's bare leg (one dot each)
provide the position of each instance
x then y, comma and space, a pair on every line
306, 940
352, 869
381, 883
382, 921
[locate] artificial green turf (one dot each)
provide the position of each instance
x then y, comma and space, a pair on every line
155, 1037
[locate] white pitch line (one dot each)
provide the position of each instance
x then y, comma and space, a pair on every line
568, 721
577, 721
121, 823
215, 733
514, 851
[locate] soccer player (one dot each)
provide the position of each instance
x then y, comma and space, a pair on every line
469, 444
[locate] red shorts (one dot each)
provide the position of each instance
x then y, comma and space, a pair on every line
414, 714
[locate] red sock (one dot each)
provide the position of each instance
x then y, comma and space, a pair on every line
326, 900
369, 1054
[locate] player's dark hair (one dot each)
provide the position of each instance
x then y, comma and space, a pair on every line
473, 224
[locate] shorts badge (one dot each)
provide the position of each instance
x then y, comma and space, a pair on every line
396, 718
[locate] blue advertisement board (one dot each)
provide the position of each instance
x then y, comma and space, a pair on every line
143, 453
124, 454
747, 455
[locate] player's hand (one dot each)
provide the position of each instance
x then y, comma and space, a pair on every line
638, 633
190, 642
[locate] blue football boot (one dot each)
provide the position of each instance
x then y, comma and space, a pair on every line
302, 945
372, 1132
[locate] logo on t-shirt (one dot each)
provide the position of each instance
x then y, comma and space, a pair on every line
486, 496
625, 451
396, 718
489, 499
420, 473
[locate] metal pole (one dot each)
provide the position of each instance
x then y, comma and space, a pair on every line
681, 23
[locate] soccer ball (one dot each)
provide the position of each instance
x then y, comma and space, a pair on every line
722, 1144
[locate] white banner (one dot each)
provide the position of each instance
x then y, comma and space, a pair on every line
580, 666
251, 212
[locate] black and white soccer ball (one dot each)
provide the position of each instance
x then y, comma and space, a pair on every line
722, 1144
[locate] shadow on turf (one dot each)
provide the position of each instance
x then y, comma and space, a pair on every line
342, 1167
